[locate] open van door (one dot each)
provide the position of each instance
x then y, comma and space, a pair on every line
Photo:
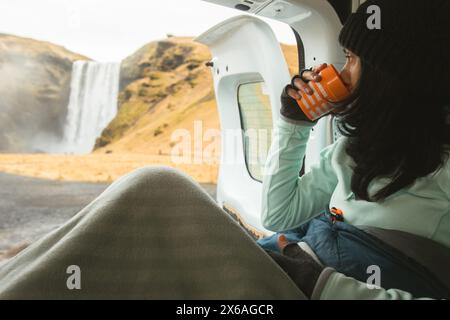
249, 72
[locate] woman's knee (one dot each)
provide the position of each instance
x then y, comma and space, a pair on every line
156, 182
160, 173
157, 177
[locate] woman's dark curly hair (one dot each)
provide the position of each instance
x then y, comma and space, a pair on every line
395, 131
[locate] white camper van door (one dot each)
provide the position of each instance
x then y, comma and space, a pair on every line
250, 72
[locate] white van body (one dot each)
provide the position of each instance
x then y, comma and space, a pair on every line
249, 72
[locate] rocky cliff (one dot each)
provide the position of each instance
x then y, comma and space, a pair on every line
165, 86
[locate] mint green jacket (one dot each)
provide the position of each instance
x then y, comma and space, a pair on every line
422, 209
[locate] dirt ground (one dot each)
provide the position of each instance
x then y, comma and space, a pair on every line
97, 167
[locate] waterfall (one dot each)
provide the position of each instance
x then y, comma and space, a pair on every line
92, 105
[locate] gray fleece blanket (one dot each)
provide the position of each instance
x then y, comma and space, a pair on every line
153, 234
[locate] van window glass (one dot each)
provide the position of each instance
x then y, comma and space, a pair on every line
256, 121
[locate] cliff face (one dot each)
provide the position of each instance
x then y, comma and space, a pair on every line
165, 86
34, 92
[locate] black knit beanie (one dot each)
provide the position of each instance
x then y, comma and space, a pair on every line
413, 44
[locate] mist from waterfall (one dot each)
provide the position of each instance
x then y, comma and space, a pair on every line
94, 91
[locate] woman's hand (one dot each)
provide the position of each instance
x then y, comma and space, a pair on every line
300, 82
292, 92
298, 264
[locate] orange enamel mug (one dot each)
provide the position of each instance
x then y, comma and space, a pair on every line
327, 94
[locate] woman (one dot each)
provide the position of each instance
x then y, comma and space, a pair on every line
391, 170
155, 234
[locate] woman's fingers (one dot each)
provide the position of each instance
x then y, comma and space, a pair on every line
293, 93
319, 68
302, 85
282, 242
314, 74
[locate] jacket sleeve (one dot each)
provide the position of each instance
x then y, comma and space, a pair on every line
287, 199
333, 285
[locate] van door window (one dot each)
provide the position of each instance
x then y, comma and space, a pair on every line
256, 121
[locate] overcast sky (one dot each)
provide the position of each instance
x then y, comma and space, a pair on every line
110, 30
